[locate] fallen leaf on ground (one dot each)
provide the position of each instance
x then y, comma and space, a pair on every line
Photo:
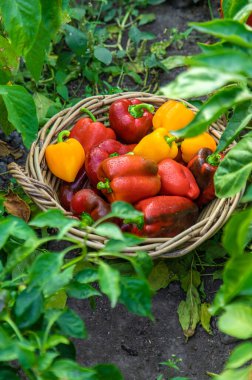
14, 205
6, 150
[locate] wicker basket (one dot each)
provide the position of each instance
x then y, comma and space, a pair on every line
39, 183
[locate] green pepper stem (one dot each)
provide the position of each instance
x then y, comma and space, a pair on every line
137, 110
61, 135
86, 219
115, 154
89, 113
104, 185
214, 159
170, 140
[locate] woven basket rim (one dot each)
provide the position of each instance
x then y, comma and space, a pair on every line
42, 186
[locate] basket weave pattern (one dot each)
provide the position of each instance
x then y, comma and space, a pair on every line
41, 185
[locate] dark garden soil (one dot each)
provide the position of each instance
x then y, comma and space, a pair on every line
137, 345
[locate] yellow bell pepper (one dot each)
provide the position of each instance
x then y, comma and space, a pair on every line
172, 115
65, 158
157, 146
191, 145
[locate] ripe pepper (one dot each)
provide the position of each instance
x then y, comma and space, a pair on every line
172, 115
90, 132
68, 189
128, 178
203, 166
165, 216
99, 153
130, 119
177, 179
190, 146
87, 201
157, 146
65, 158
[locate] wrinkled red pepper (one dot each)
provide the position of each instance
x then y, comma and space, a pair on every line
128, 178
130, 119
177, 179
203, 166
166, 216
87, 201
99, 153
68, 189
90, 132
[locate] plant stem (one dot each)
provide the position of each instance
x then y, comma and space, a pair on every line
14, 328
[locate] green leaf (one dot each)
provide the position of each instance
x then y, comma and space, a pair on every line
142, 264
237, 320
42, 104
58, 282
247, 197
103, 55
81, 291
57, 300
47, 265
25, 353
109, 281
48, 26
146, 18
28, 307
191, 278
204, 79
8, 373
56, 219
237, 232
75, 39
234, 169
7, 346
230, 374
239, 120
231, 7
161, 276
8, 60
124, 210
136, 296
189, 312
21, 112
68, 370
212, 109
87, 275
107, 372
240, 355
110, 230
173, 62
21, 20
228, 30
72, 325
226, 59
205, 317
137, 36
45, 360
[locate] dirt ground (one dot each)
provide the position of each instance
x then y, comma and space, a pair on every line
136, 345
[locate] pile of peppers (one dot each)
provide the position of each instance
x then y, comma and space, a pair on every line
136, 159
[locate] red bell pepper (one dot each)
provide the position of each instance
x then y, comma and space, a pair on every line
177, 179
203, 166
128, 178
68, 189
87, 201
130, 119
99, 153
90, 132
166, 216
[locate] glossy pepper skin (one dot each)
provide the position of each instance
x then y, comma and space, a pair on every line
99, 153
172, 115
177, 179
157, 146
130, 119
166, 216
65, 158
190, 146
203, 166
90, 132
68, 189
86, 200
128, 178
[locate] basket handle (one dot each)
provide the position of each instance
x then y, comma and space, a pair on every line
39, 192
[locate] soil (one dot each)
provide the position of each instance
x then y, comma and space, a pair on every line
137, 345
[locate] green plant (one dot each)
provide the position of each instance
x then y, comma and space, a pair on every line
36, 325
